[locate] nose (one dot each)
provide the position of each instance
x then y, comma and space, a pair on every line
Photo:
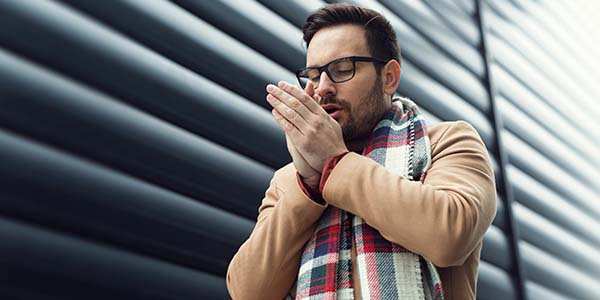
326, 87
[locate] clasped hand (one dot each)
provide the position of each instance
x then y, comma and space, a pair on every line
312, 136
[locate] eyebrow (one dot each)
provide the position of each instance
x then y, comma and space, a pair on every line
316, 66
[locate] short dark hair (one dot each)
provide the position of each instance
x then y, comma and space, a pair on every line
380, 37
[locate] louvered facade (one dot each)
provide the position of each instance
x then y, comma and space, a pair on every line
136, 142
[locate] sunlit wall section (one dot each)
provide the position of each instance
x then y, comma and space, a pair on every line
545, 70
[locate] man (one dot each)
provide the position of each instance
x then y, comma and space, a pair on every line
375, 205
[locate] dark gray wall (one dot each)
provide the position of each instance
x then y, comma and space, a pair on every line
136, 144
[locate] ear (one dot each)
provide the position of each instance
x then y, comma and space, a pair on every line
391, 77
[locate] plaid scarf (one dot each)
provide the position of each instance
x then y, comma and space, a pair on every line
386, 270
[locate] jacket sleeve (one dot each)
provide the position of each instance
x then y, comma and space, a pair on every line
444, 218
266, 265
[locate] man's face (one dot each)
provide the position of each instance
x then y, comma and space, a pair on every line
360, 102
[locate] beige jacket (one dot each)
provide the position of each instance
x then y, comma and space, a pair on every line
443, 219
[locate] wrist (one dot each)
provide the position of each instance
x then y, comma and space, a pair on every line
311, 182
312, 192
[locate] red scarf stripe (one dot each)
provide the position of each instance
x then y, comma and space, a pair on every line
384, 141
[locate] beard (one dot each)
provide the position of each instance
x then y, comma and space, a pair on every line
360, 119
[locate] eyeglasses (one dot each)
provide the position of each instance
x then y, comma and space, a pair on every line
339, 70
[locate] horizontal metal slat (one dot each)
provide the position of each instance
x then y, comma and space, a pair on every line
61, 191
160, 25
496, 249
418, 15
432, 61
210, 111
550, 272
64, 267
460, 22
539, 198
500, 219
536, 291
543, 233
132, 73
570, 80
85, 121
581, 17
544, 170
536, 31
441, 102
254, 25
556, 24
494, 283
467, 5
295, 11
522, 126
539, 83
525, 100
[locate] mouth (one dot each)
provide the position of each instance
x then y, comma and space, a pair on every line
332, 110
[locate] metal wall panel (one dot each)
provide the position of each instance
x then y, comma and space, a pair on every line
136, 142
548, 103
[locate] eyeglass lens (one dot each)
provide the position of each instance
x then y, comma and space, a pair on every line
339, 71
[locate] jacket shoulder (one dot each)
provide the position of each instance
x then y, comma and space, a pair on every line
448, 129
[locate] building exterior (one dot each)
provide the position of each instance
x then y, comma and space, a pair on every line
136, 142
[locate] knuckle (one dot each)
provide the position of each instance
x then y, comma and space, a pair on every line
318, 125
290, 88
290, 113
306, 99
300, 144
296, 104
282, 108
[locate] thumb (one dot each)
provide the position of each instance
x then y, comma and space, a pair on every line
309, 89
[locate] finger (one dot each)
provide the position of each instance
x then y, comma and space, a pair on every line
288, 113
290, 100
286, 125
310, 89
305, 97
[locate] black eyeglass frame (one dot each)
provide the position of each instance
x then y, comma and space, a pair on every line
325, 67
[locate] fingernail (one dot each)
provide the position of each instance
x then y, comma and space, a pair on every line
270, 87
282, 84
